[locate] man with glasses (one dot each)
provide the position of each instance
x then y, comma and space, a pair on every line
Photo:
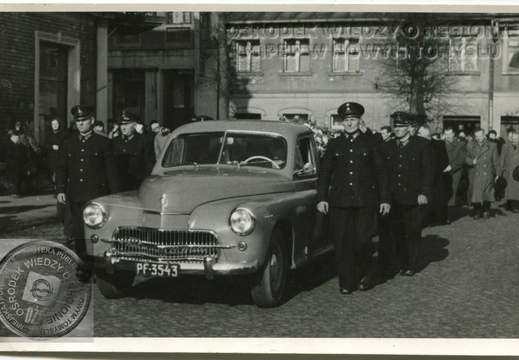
353, 186
86, 170
411, 163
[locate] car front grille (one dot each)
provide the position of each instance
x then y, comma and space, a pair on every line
164, 244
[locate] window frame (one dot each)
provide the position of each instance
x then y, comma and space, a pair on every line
250, 54
345, 53
297, 55
463, 56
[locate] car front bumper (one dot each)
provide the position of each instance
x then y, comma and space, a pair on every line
208, 267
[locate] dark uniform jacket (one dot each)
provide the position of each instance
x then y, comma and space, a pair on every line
411, 169
51, 139
134, 160
87, 168
352, 173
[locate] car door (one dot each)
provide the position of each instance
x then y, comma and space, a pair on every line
311, 224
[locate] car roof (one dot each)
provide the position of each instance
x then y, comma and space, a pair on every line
286, 129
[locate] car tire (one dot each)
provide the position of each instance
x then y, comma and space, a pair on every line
114, 286
267, 290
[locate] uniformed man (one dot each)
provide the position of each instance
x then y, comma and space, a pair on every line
86, 170
134, 160
510, 166
353, 185
484, 168
411, 165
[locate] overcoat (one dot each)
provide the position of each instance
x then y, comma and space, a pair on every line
482, 175
509, 161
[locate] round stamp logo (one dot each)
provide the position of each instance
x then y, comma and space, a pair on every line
41, 294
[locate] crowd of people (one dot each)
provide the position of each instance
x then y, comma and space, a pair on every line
84, 162
397, 181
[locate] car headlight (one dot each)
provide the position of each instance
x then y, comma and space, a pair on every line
94, 215
242, 221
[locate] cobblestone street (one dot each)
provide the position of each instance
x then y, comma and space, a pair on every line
467, 287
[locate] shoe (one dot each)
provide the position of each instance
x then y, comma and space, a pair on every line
515, 211
477, 216
388, 273
486, 215
16, 196
343, 291
366, 283
408, 272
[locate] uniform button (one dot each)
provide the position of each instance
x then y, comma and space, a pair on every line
82, 140
484, 173
400, 165
400, 155
398, 175
81, 159
124, 150
351, 161
351, 150
351, 172
82, 150
80, 169
399, 184
80, 179
351, 184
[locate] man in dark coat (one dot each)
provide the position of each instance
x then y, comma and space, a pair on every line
411, 164
456, 151
86, 171
353, 185
133, 157
438, 209
16, 161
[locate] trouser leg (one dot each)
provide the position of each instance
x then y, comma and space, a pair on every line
412, 217
365, 220
342, 234
78, 231
455, 183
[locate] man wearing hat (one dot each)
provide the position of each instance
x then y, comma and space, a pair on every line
353, 185
86, 170
411, 163
134, 160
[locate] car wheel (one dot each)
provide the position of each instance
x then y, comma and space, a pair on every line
114, 286
268, 288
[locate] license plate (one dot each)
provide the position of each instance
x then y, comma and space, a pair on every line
158, 270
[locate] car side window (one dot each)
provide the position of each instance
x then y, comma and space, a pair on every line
304, 158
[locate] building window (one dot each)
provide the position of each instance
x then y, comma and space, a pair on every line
463, 54
511, 52
248, 56
247, 116
179, 37
336, 122
298, 118
508, 123
296, 56
466, 123
179, 17
346, 55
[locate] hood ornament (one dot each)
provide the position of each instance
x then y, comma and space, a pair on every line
163, 201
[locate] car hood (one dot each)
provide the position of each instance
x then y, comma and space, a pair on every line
181, 191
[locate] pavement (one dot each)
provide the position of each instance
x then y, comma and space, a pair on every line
466, 287
26, 212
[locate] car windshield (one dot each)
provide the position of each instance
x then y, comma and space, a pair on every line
231, 148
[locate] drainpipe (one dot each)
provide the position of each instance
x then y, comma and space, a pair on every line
494, 25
